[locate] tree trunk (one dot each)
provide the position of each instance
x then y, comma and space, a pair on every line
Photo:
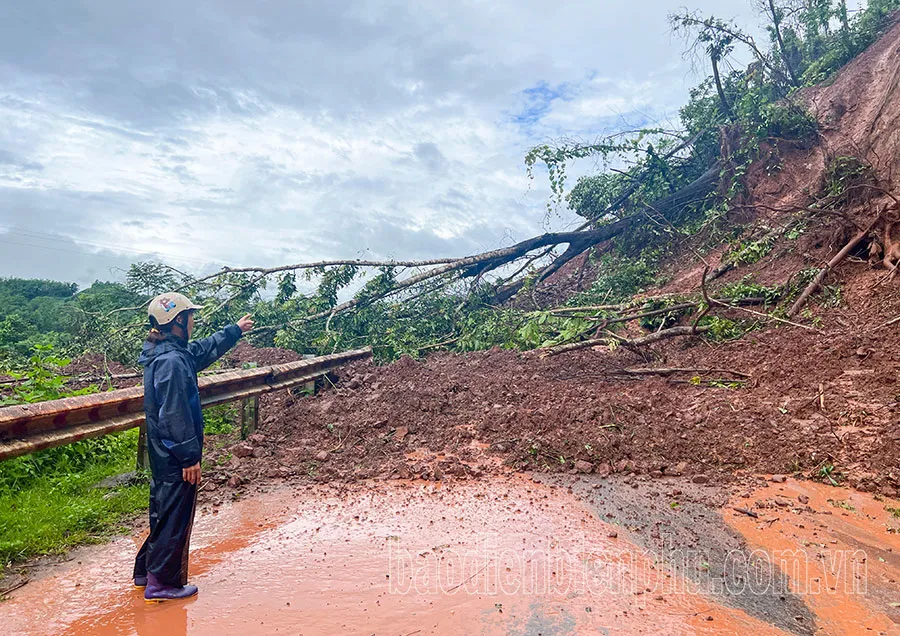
845, 26
776, 24
667, 207
726, 107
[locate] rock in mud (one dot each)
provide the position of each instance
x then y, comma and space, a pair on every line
242, 450
322, 456
583, 467
700, 479
778, 479
115, 481
234, 482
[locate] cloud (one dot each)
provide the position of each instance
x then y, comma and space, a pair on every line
237, 133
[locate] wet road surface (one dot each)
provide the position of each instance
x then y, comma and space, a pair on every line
503, 556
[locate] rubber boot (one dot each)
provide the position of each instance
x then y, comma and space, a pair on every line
156, 592
140, 581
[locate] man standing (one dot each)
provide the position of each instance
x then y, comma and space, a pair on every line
174, 439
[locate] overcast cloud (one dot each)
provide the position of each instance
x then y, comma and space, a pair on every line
241, 133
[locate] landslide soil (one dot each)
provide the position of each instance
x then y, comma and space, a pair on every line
495, 411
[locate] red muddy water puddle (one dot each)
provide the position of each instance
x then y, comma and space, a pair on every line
499, 556
839, 548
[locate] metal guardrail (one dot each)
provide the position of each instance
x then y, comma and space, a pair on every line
28, 428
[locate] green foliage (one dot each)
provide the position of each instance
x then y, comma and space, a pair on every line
105, 297
594, 195
543, 329
796, 228
722, 329
826, 49
32, 312
146, 278
31, 288
391, 327
50, 313
332, 281
506, 329
642, 146
783, 121
220, 419
287, 287
662, 321
828, 472
843, 175
40, 379
619, 279
746, 288
749, 252
829, 295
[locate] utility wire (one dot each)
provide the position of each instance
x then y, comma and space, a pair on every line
40, 236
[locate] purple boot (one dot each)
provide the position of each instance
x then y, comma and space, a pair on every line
156, 592
140, 581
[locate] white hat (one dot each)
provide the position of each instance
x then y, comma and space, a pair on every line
166, 306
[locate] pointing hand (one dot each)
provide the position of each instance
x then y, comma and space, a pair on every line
245, 323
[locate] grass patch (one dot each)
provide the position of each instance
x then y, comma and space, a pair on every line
54, 512
220, 419
49, 502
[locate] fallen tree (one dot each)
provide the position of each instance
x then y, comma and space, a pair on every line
475, 266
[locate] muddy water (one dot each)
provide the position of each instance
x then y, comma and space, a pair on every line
840, 550
496, 556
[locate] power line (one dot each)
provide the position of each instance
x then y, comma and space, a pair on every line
29, 234
40, 247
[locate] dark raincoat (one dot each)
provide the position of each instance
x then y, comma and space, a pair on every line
174, 441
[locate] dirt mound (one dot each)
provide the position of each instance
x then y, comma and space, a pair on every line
95, 364
245, 353
499, 410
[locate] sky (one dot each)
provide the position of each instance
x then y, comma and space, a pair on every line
206, 134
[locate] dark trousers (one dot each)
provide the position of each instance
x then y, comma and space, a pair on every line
165, 552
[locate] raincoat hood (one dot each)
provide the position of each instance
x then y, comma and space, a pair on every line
152, 350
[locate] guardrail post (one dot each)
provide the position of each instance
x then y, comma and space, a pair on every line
143, 455
249, 416
310, 387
